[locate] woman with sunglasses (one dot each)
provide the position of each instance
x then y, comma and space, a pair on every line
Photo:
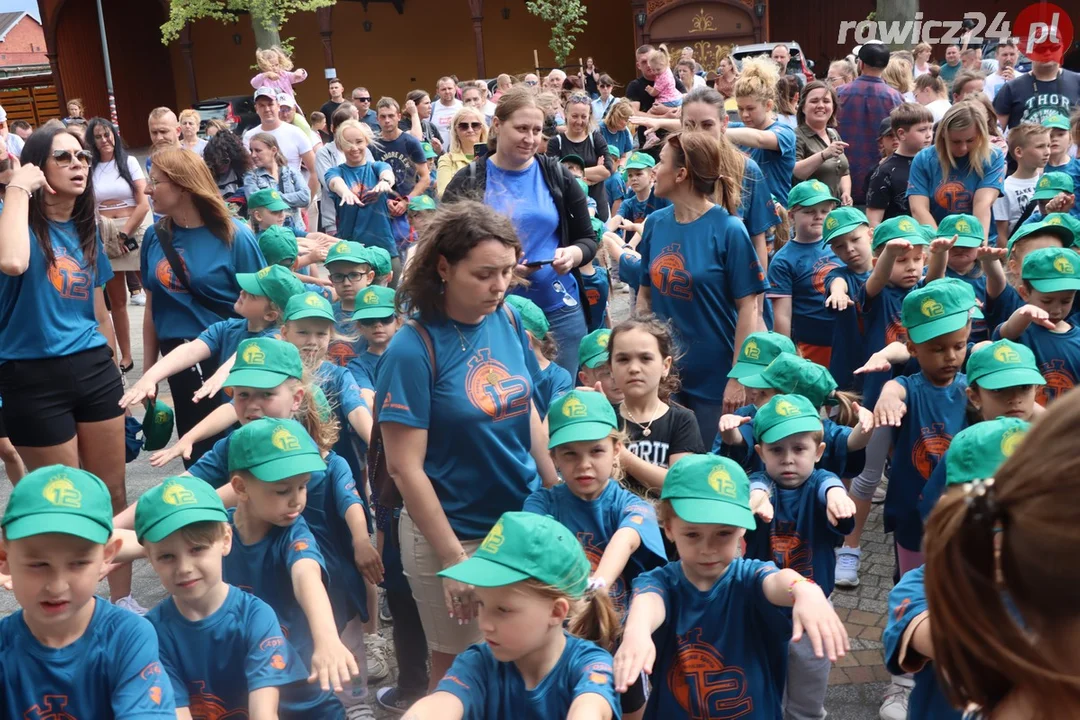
58, 376
584, 139
198, 289
467, 130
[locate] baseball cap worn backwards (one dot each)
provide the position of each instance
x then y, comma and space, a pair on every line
709, 490
967, 229
273, 450
757, 351
977, 452
264, 363
785, 415
841, 221
580, 416
593, 349
1003, 364
373, 302
938, 308
532, 317
174, 504
59, 499
379, 258
526, 546
275, 282
901, 227
1052, 269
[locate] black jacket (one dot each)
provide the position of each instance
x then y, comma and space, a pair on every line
575, 225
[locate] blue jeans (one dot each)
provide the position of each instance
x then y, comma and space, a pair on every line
568, 326
707, 415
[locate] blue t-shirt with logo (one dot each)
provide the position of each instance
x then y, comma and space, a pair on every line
1058, 356
800, 536
524, 197
595, 522
756, 207
550, 383
798, 271
224, 337
211, 268
214, 663
934, 416
955, 193
696, 272
721, 652
597, 288
849, 339
477, 414
403, 155
111, 671
630, 272
879, 316
777, 165
636, 210
491, 689
49, 311
368, 224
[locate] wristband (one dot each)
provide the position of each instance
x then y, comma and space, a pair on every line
791, 587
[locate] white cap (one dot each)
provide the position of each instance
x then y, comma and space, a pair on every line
286, 99
265, 91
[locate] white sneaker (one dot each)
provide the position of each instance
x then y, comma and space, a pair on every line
895, 705
847, 567
377, 666
139, 299
129, 603
880, 492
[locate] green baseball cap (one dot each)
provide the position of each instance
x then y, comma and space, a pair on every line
1052, 269
59, 499
273, 450
1056, 122
977, 452
929, 231
157, 425
785, 415
375, 301
938, 308
279, 246
790, 374
420, 203
1058, 229
532, 317
809, 193
709, 490
275, 282
967, 229
174, 504
264, 363
593, 349
309, 305
640, 161
525, 546
841, 221
1067, 221
379, 259
573, 160
580, 416
1052, 183
266, 198
757, 351
613, 151
584, 186
347, 251
1003, 364
901, 227
429, 152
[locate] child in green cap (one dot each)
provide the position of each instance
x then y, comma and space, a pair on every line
216, 641
847, 234
1032, 236
594, 363
617, 529
530, 576
377, 323
719, 609
1003, 380
67, 653
383, 265
1050, 279
261, 306
351, 271
757, 353
419, 212
266, 208
804, 510
975, 455
553, 380
1059, 160
642, 202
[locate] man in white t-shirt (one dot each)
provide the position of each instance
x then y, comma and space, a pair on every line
442, 112
294, 143
1007, 55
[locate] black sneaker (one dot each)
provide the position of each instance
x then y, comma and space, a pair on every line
393, 700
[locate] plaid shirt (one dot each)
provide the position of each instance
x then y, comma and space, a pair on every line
864, 103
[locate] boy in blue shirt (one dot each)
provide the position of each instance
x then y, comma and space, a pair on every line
67, 653
376, 321
350, 267
1060, 141
615, 185
757, 353
711, 628
640, 200
847, 233
381, 265
806, 511
280, 247
221, 647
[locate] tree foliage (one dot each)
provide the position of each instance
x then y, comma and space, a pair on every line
267, 16
567, 20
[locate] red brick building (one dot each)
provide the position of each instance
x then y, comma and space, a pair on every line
22, 40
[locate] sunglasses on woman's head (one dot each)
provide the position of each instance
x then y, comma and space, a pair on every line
532, 83
64, 158
579, 97
464, 126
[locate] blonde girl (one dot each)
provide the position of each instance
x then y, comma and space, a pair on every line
771, 142
663, 87
276, 71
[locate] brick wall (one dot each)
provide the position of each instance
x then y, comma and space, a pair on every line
24, 44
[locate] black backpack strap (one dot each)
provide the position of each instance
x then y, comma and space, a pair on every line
1024, 216
164, 236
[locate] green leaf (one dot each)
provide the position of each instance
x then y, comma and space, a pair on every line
567, 19
270, 14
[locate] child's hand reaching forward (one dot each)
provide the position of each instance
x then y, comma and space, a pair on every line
838, 506
760, 505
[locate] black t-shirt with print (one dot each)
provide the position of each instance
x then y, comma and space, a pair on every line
674, 432
887, 187
591, 149
1026, 99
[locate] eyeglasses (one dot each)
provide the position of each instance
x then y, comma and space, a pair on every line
64, 158
361, 99
342, 277
153, 182
466, 126
373, 322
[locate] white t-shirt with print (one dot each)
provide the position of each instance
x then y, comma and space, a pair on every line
441, 116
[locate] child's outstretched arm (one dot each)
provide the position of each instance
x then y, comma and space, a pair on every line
221, 419
437, 706
367, 559
879, 277
729, 428
213, 384
649, 475
811, 612
939, 257
185, 356
1018, 322
860, 435
838, 298
894, 353
760, 504
838, 506
590, 706
361, 421
637, 651
263, 703
991, 259
332, 665
891, 406
623, 544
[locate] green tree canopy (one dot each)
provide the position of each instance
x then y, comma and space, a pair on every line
267, 16
567, 19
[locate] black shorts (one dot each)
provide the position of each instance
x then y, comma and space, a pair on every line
45, 399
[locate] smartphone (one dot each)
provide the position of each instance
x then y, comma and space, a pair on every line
131, 244
539, 263
480, 150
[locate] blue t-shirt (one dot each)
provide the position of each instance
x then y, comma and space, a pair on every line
615, 187
956, 193
630, 272
214, 663
1072, 169
493, 690
211, 268
977, 280
636, 210
362, 368
697, 271
720, 652
1058, 357
879, 316
224, 337
550, 383
798, 271
402, 155
524, 197
777, 165
934, 416
907, 599
49, 311
849, 339
342, 351
368, 224
621, 140
111, 671
264, 569
756, 207
800, 535
477, 414
343, 394
595, 522
597, 288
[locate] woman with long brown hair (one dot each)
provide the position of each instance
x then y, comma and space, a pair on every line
189, 263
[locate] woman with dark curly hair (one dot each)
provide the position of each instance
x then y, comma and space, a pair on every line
228, 161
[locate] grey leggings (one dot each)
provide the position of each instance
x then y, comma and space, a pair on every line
877, 452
